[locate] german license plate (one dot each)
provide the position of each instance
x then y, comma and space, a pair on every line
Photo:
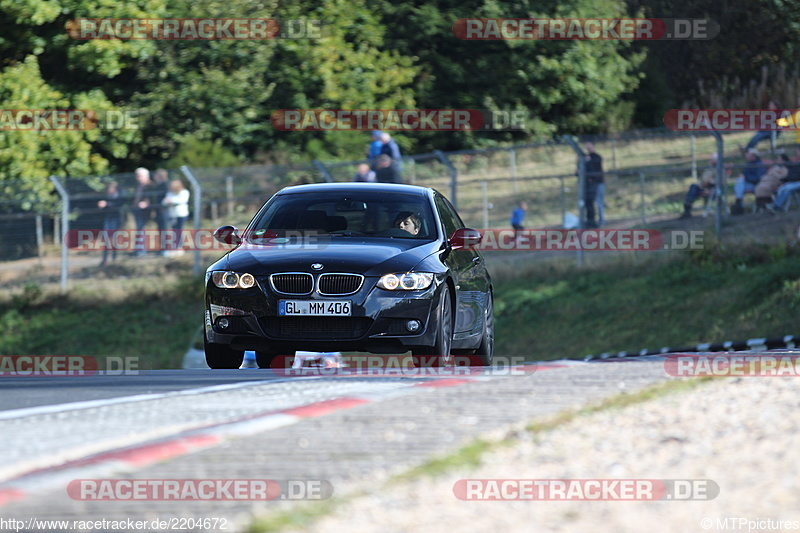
314, 308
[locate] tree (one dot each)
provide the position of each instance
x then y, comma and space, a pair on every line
566, 86
227, 90
45, 69
754, 34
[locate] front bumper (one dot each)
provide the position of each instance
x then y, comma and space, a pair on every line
377, 323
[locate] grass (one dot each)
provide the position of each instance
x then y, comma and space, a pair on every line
153, 320
713, 295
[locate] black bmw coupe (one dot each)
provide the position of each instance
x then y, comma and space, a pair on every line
372, 267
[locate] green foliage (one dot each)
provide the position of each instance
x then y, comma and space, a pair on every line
31, 295
378, 54
197, 153
712, 72
27, 158
727, 295
155, 324
227, 90
43, 68
567, 86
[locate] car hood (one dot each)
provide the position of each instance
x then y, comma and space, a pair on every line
364, 257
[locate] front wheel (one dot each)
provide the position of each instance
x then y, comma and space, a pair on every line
440, 354
222, 355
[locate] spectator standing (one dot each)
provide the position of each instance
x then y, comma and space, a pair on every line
142, 209
389, 147
374, 149
385, 171
518, 217
363, 173
176, 203
747, 180
594, 190
160, 190
111, 204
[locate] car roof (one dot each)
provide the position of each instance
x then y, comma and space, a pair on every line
357, 186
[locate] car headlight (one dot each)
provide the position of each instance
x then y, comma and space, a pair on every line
410, 281
232, 280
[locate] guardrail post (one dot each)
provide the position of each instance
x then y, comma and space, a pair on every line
720, 188
229, 194
197, 194
641, 194
512, 163
62, 192
323, 170
39, 235
485, 207
581, 187
453, 176
614, 159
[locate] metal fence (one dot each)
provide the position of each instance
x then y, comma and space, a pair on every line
647, 174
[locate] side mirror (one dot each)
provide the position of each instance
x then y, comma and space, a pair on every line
228, 235
465, 238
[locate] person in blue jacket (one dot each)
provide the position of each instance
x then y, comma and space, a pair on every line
747, 180
518, 217
374, 149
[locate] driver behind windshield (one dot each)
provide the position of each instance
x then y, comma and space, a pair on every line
408, 221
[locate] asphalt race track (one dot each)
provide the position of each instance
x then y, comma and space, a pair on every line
336, 430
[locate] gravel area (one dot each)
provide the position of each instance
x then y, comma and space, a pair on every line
739, 433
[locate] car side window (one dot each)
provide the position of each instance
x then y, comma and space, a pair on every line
448, 216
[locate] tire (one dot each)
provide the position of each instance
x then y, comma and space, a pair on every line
485, 351
440, 354
221, 355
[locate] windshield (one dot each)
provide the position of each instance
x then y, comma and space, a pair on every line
346, 214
